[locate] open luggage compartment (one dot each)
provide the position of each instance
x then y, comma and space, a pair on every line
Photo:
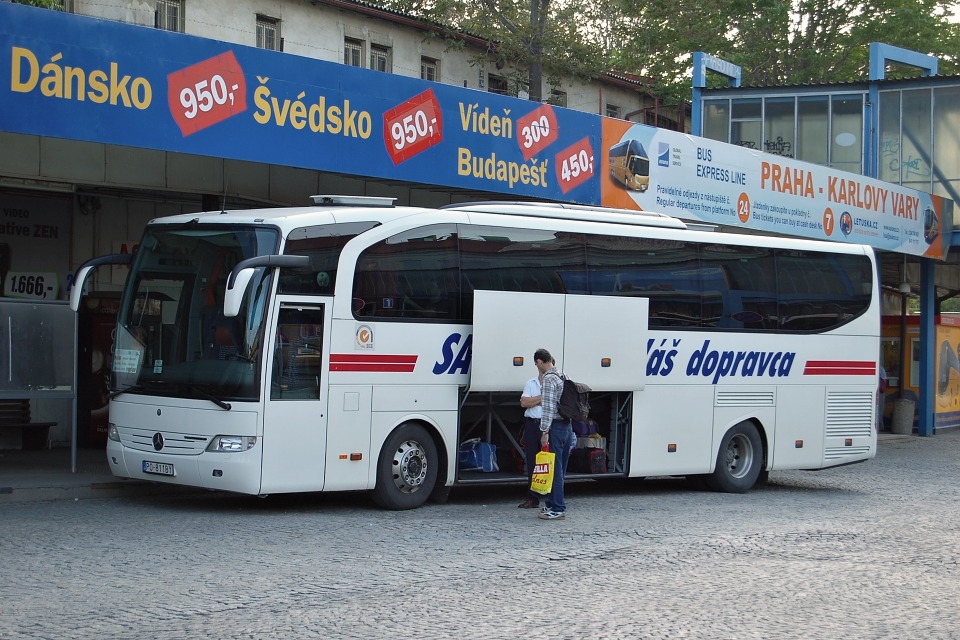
496, 419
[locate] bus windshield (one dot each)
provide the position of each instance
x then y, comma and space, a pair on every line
172, 337
640, 166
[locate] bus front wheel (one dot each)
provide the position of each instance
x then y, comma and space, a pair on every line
739, 460
407, 469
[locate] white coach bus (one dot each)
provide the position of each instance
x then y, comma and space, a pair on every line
354, 345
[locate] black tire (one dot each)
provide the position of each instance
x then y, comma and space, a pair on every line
407, 469
739, 460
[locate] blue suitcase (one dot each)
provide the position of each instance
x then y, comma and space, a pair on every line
476, 455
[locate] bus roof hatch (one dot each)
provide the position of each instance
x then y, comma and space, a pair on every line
353, 201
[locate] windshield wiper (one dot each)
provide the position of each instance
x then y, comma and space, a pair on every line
226, 406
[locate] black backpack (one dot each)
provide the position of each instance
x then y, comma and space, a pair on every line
574, 400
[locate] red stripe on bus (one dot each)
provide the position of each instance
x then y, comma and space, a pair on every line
370, 357
372, 366
372, 362
840, 368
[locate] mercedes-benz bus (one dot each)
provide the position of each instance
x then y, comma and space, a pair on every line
354, 345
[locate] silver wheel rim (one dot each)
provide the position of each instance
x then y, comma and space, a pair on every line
739, 456
409, 466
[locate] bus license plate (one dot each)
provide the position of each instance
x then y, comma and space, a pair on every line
159, 468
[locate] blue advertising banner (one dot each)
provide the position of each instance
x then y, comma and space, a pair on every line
85, 79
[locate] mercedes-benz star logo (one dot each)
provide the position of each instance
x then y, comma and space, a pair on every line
158, 441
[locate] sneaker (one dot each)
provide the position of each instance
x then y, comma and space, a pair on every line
529, 503
552, 515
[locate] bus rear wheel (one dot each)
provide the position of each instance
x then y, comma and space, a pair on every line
407, 469
739, 460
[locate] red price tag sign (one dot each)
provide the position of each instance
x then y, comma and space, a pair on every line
536, 131
206, 93
574, 165
413, 126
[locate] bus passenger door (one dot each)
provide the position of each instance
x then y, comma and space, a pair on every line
295, 412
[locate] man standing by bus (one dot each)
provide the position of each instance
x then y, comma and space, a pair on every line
530, 401
555, 431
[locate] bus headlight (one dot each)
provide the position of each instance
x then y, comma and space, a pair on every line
112, 432
232, 444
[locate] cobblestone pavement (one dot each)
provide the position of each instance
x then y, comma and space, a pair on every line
867, 551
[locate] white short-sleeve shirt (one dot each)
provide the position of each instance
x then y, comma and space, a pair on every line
532, 389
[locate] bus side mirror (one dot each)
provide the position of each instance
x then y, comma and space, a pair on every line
236, 288
241, 274
76, 292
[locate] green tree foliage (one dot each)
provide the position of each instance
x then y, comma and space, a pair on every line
528, 39
775, 42
778, 42
46, 4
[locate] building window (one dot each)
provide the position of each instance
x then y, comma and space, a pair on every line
946, 159
813, 131
916, 146
380, 58
268, 33
169, 15
558, 98
430, 69
613, 111
888, 160
352, 52
846, 135
745, 123
716, 120
778, 126
497, 84
821, 129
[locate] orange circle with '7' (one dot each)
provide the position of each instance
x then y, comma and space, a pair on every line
743, 207
828, 221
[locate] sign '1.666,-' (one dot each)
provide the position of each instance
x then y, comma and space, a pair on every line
33, 285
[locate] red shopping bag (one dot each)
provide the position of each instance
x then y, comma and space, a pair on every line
542, 481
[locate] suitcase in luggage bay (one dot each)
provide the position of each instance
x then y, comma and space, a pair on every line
476, 455
585, 427
588, 461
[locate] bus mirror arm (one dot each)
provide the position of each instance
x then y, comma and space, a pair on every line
76, 291
300, 262
241, 274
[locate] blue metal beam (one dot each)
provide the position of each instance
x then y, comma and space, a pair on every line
881, 54
927, 382
703, 62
